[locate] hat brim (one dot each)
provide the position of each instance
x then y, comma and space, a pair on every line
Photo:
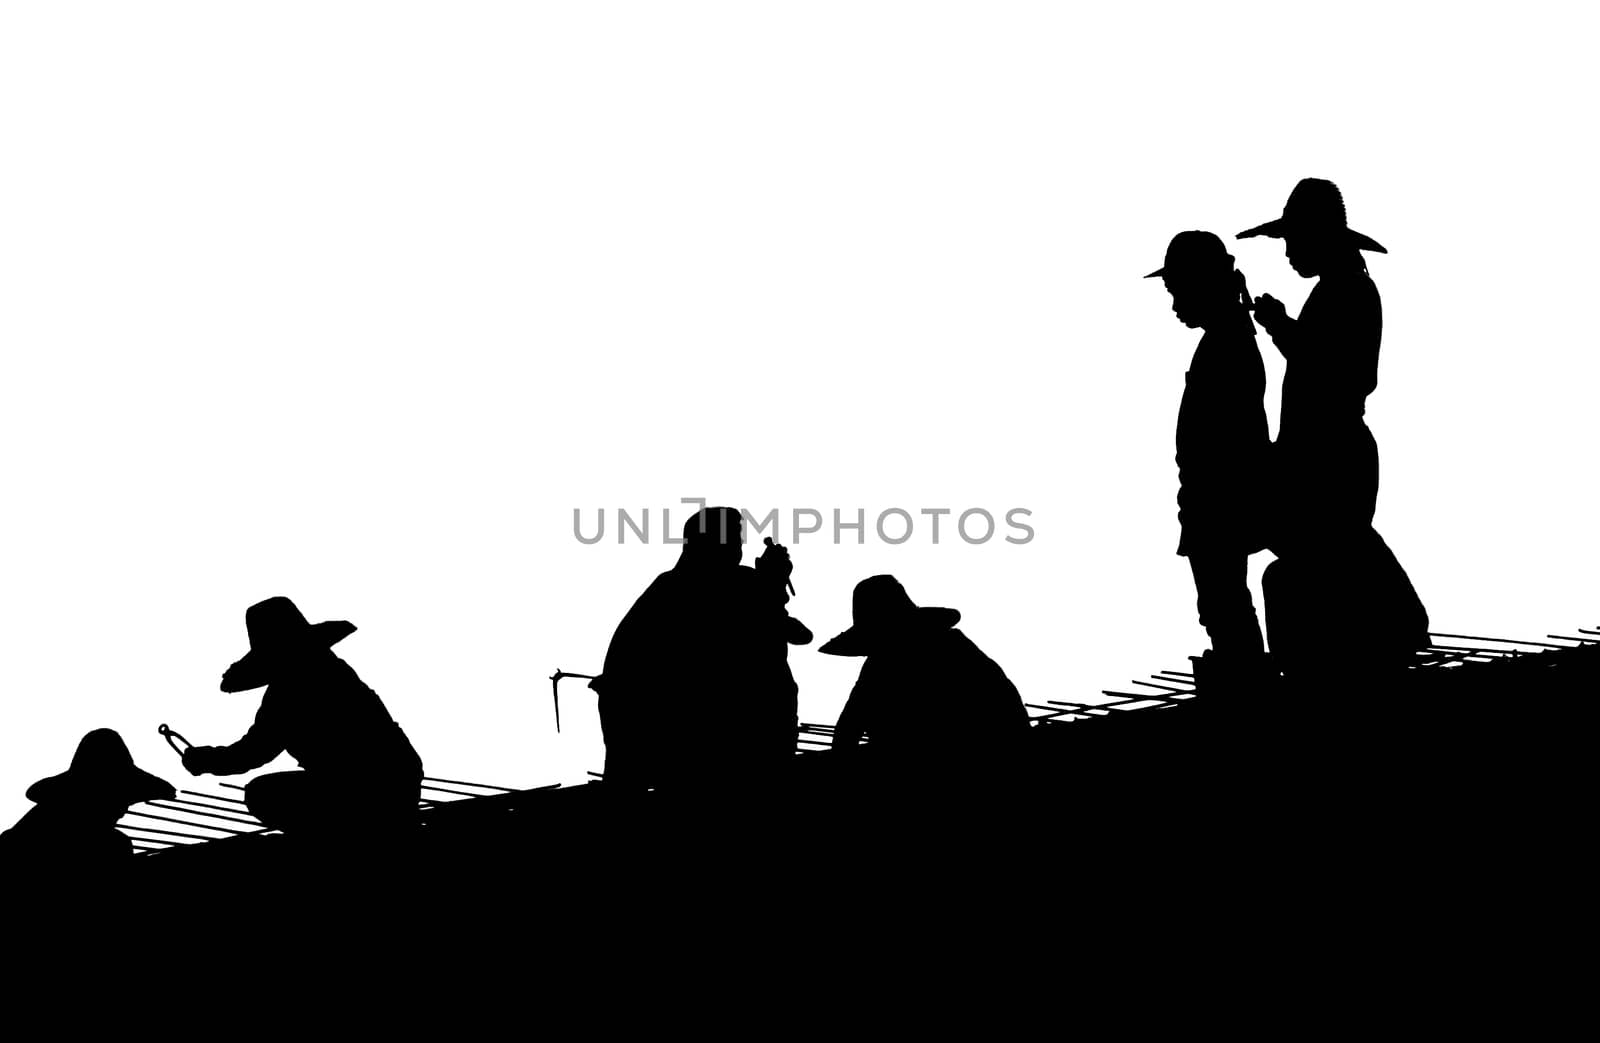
257, 666
862, 640
133, 785
1280, 228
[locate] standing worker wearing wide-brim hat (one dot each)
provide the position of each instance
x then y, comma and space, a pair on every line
72, 826
359, 769
1222, 451
1326, 453
1325, 458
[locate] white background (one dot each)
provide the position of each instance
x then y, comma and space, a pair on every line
357, 302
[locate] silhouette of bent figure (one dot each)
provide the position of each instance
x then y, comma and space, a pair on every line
1222, 447
73, 824
1334, 568
921, 674
317, 710
696, 680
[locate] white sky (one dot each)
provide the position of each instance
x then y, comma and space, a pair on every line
357, 302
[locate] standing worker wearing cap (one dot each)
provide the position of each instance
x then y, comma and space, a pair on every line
1222, 452
359, 769
1339, 570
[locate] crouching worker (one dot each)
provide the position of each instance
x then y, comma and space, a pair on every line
696, 684
924, 684
72, 827
360, 770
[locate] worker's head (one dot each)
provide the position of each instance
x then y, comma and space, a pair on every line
1317, 238
1311, 254
714, 536
282, 644
1199, 274
102, 781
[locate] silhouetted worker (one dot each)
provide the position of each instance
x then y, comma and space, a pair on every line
924, 684
1336, 572
360, 771
696, 682
1223, 448
72, 826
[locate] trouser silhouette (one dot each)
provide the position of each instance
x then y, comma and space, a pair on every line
308, 802
1223, 599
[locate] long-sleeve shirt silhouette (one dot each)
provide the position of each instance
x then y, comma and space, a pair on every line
697, 676
1332, 355
1222, 442
912, 696
329, 721
1326, 461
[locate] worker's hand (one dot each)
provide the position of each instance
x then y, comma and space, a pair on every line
1270, 312
197, 760
797, 633
774, 562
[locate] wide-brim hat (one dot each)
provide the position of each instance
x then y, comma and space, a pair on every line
881, 610
278, 629
1315, 208
101, 769
1195, 253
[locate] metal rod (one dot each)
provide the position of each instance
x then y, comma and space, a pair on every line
555, 690
459, 793
479, 785
185, 806
1498, 640
1166, 688
1503, 653
167, 832
196, 825
212, 796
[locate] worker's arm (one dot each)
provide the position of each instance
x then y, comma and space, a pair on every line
257, 746
1274, 318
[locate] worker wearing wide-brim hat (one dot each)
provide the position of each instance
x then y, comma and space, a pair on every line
1326, 455
1222, 446
358, 767
1325, 460
73, 822
924, 682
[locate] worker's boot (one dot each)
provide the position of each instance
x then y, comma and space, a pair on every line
1234, 677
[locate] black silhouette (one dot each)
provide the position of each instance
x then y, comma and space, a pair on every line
697, 681
353, 753
72, 826
1334, 567
1222, 450
922, 676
